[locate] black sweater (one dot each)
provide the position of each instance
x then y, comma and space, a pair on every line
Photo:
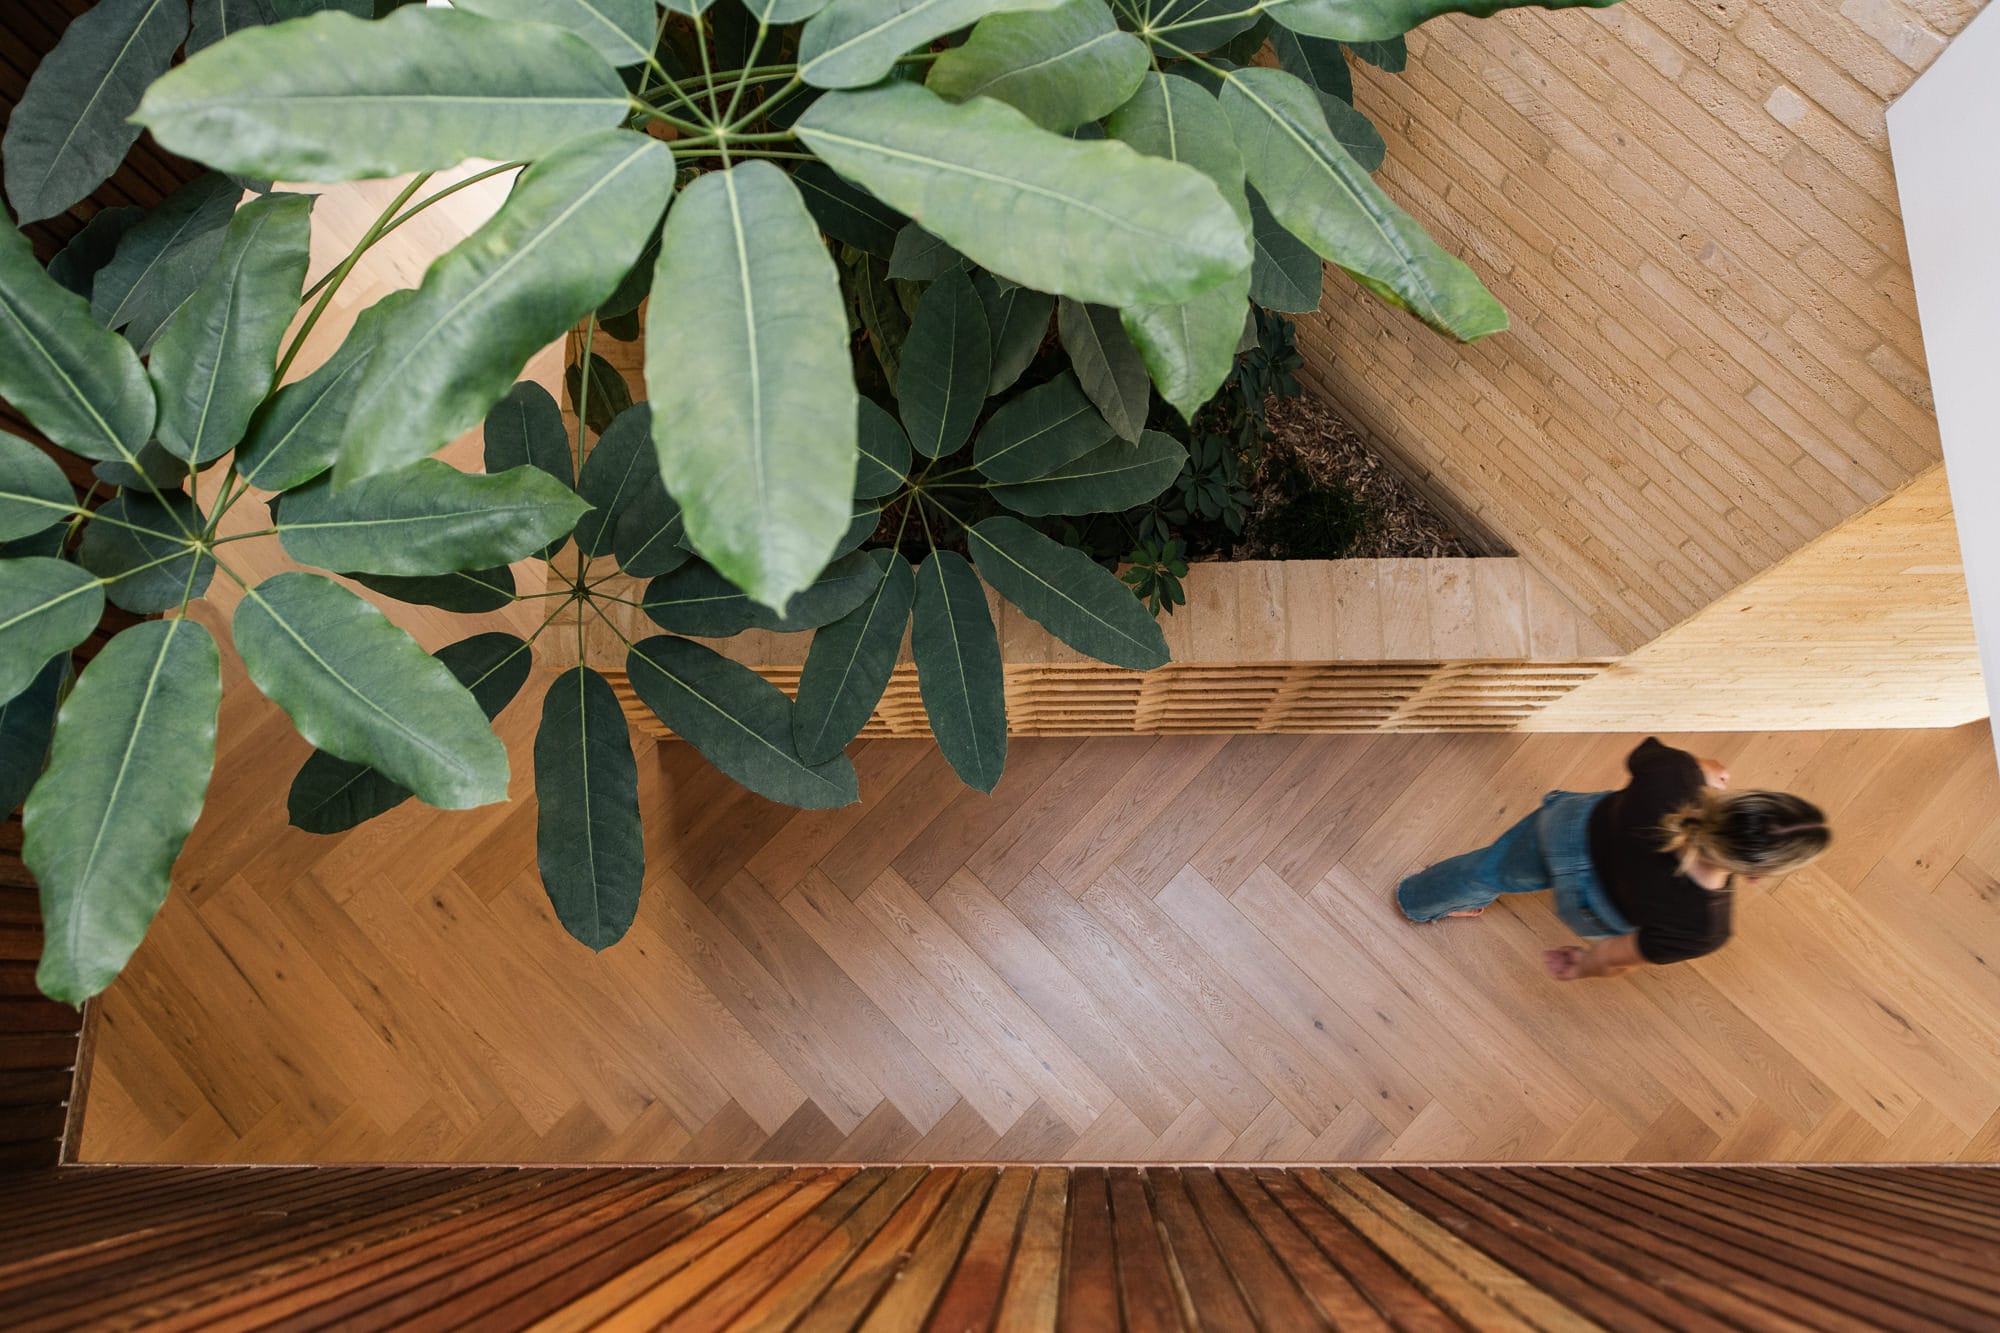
1676, 918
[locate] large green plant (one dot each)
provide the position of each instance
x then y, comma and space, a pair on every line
1111, 159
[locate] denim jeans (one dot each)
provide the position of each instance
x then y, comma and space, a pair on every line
1550, 849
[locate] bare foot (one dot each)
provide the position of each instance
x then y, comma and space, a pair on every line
1477, 911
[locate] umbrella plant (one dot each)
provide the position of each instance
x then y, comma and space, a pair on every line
1128, 160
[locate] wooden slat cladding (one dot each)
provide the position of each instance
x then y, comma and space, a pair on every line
833, 1248
38, 1037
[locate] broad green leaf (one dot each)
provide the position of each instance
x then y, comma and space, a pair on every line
739, 721
151, 469
295, 436
589, 844
139, 546
573, 224
1038, 431
959, 673
1061, 66
751, 380
1189, 349
163, 258
1067, 593
332, 795
626, 328
134, 748
1322, 196
217, 19
78, 263
597, 392
1287, 273
647, 535
34, 493
1314, 60
1358, 21
861, 525
465, 591
634, 287
430, 518
1019, 320
217, 357
1108, 479
919, 256
694, 599
26, 722
1201, 25
1354, 132
848, 213
360, 688
333, 98
616, 474
47, 606
1091, 220
79, 383
1389, 55
946, 364
70, 129
885, 454
525, 429
850, 43
849, 664
619, 30
877, 304
1108, 366
784, 11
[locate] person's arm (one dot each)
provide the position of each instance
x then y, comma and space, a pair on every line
1609, 957
1713, 772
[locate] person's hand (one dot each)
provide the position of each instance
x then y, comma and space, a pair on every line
1565, 964
1713, 771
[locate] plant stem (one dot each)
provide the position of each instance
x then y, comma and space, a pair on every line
331, 283
654, 113
736, 94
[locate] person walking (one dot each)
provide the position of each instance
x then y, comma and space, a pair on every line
1646, 873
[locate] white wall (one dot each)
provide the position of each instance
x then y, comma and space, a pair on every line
1944, 135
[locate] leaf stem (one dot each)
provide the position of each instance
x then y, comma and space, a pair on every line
330, 284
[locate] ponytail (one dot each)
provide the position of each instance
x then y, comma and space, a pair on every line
1749, 832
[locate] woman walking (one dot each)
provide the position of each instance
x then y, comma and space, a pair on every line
1645, 872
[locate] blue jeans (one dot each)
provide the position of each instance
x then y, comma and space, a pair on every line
1550, 849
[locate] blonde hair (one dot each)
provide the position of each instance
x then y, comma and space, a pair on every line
1748, 832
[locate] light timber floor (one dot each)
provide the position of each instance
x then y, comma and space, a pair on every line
1137, 949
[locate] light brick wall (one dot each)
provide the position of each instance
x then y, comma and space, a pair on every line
1688, 209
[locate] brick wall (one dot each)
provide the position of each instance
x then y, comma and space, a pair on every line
1688, 208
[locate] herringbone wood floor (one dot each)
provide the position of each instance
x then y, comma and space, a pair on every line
1137, 949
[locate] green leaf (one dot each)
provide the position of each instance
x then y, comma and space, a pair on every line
1287, 273
1315, 61
946, 364
1322, 195
885, 453
866, 518
332, 795
465, 591
333, 98
1389, 55
134, 748
1066, 593
850, 662
1201, 25
360, 688
217, 19
1113, 477
959, 673
295, 435
1061, 66
47, 606
70, 129
217, 357
78, 263
34, 493
147, 566
567, 233
430, 518
79, 383
26, 722
1091, 220
634, 287
626, 328
1359, 21
163, 258
919, 256
847, 213
850, 43
647, 535
1019, 320
151, 469
525, 429
1354, 132
1189, 349
783, 11
1036, 432
619, 30
615, 475
589, 844
883, 318
751, 380
603, 399
694, 599
1108, 366
739, 721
